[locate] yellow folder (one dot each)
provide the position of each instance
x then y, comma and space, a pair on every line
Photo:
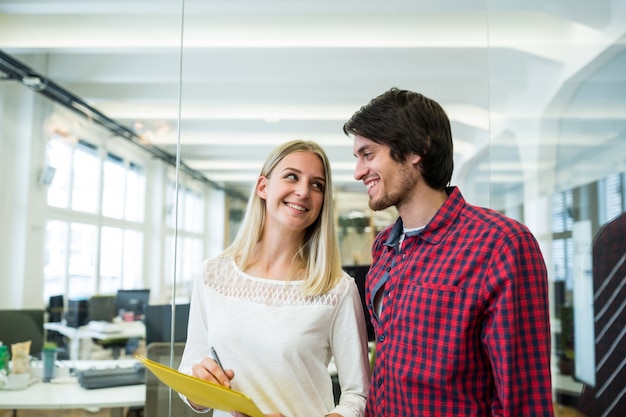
201, 392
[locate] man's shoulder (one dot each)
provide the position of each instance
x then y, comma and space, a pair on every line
382, 236
493, 219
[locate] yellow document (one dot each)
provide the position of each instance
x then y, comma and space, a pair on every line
205, 393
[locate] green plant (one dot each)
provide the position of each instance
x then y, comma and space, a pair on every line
49, 346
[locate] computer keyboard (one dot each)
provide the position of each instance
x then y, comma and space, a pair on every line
112, 377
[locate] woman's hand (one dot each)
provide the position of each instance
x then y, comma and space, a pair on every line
209, 370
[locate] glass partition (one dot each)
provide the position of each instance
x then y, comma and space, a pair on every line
91, 206
556, 162
132, 133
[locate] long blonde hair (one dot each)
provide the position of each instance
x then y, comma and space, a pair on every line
319, 254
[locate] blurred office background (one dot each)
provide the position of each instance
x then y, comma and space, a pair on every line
132, 131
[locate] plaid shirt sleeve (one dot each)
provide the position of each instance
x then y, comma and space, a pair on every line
516, 332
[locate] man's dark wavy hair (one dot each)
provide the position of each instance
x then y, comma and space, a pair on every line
409, 123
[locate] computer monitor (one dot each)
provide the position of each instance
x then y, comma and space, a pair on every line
22, 325
133, 301
359, 272
56, 306
102, 307
158, 322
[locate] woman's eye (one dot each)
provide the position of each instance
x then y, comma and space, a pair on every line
291, 176
318, 185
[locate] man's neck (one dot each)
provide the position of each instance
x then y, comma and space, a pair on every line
421, 207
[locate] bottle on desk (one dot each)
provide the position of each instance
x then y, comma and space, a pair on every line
49, 356
4, 358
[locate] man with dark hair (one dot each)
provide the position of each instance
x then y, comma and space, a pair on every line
458, 294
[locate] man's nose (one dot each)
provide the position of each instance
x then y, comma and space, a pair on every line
359, 170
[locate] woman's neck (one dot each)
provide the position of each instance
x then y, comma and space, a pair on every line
273, 257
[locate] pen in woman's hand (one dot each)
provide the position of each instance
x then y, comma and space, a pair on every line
216, 358
219, 363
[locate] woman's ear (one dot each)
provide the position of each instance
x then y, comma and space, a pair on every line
261, 185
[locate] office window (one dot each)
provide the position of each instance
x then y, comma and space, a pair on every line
123, 193
186, 267
562, 211
191, 254
83, 255
111, 258
193, 220
95, 229
190, 207
132, 267
135, 193
59, 156
113, 189
189, 234
170, 204
562, 242
55, 258
85, 178
610, 197
120, 259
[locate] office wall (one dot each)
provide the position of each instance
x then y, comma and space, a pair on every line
21, 208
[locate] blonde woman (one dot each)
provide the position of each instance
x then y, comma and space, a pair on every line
276, 304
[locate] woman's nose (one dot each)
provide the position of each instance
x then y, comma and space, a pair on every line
302, 189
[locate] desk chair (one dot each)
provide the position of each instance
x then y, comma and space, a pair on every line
116, 345
55, 309
158, 395
22, 325
103, 308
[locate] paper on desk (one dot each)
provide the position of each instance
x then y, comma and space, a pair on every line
201, 392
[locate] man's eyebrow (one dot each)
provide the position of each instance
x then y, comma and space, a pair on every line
361, 150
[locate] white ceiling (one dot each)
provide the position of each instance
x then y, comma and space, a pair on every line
256, 73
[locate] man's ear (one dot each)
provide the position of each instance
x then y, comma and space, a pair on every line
414, 159
261, 185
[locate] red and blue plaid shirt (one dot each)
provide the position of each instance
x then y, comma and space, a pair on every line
464, 328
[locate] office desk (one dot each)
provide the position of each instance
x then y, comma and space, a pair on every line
123, 330
69, 394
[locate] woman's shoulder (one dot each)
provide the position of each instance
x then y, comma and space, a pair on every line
345, 285
217, 261
219, 266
